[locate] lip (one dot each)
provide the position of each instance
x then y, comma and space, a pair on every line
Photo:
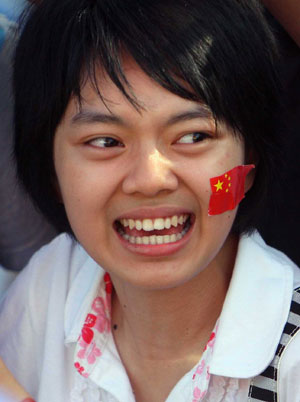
157, 250
153, 213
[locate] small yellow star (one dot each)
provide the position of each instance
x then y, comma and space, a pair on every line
219, 185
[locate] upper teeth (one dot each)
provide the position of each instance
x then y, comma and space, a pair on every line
154, 224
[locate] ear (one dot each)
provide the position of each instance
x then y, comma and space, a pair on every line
251, 158
249, 180
57, 191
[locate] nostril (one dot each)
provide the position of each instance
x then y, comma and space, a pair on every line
149, 182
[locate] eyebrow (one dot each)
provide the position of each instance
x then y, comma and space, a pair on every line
90, 117
201, 112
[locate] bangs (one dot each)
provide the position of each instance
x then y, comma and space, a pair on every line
105, 42
171, 44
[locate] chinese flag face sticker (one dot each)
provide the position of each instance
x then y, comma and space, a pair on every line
228, 189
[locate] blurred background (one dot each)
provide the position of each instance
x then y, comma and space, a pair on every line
22, 229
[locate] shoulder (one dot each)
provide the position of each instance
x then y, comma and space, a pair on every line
289, 369
63, 254
289, 353
62, 257
254, 251
254, 241
34, 310
47, 278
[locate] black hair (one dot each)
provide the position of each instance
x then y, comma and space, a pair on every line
223, 49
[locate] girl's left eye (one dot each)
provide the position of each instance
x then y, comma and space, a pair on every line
191, 138
105, 142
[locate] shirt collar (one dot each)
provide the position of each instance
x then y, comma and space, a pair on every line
97, 358
254, 313
80, 298
255, 310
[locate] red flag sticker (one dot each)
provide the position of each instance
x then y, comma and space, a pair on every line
228, 189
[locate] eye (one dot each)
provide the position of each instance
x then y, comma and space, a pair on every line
192, 138
105, 142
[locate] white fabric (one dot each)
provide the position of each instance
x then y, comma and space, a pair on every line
258, 310
6, 278
45, 309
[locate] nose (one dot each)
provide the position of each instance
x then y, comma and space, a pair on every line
149, 174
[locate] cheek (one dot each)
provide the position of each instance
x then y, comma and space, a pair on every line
196, 173
85, 188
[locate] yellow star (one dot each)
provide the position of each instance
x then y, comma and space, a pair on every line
219, 185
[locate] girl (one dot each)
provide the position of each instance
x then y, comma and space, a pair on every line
138, 125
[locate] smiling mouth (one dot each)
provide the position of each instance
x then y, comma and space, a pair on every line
154, 231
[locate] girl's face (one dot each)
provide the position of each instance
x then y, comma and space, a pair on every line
128, 177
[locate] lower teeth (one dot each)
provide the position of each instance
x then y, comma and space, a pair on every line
153, 240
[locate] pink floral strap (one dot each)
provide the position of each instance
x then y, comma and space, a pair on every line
28, 400
94, 330
201, 375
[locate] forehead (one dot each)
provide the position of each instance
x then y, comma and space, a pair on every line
150, 97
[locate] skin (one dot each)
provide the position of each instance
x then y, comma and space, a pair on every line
150, 170
10, 389
287, 13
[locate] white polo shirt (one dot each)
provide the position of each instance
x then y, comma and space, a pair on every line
53, 302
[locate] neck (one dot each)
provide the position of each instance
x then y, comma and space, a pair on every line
154, 324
